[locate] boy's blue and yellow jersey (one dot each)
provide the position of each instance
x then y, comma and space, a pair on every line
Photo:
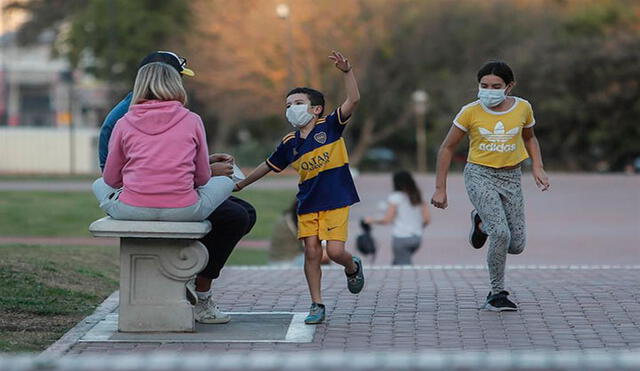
322, 162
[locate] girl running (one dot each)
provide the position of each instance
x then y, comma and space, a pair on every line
501, 136
409, 216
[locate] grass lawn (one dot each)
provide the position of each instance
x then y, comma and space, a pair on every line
46, 290
40, 213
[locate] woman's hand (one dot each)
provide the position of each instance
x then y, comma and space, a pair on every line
221, 157
222, 169
439, 199
541, 178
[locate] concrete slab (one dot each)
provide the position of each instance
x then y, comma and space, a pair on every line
245, 327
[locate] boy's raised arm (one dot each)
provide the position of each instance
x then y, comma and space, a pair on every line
351, 85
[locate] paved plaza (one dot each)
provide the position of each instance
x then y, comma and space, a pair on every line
426, 309
577, 284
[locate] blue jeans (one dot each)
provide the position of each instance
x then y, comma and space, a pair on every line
210, 196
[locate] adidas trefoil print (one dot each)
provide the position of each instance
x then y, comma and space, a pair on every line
497, 138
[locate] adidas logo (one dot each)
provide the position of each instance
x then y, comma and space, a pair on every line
497, 138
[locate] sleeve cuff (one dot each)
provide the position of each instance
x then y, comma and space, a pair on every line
272, 166
460, 126
530, 125
341, 120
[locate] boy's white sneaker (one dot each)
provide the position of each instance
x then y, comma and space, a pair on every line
206, 311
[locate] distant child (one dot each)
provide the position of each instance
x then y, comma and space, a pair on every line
501, 137
285, 248
409, 215
158, 162
316, 150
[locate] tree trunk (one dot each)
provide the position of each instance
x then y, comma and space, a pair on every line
363, 143
220, 142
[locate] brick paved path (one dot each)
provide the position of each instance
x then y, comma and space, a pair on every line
431, 308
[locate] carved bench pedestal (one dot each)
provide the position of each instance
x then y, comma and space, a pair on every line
156, 261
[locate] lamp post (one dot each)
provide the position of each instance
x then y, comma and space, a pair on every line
420, 104
284, 12
67, 78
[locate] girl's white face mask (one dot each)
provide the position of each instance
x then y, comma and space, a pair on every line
491, 97
298, 115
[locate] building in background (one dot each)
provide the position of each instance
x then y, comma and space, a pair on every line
49, 114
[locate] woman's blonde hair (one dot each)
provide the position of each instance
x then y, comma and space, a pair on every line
158, 81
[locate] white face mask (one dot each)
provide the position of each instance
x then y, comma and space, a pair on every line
491, 97
298, 115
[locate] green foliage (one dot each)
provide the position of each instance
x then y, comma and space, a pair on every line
576, 64
595, 19
43, 15
118, 33
107, 37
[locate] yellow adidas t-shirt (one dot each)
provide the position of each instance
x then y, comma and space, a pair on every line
495, 138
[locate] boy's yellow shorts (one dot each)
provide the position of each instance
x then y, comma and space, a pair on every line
329, 225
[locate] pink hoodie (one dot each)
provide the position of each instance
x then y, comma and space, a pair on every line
158, 153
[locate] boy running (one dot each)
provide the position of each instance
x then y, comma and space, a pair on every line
316, 150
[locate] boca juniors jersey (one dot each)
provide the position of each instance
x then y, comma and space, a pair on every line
322, 163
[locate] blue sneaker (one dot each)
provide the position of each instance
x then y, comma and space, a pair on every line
355, 281
316, 314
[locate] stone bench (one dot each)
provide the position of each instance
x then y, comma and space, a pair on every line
156, 260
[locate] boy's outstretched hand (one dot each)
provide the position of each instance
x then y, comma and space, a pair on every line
351, 85
340, 61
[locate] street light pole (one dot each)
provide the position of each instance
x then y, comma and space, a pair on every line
284, 12
420, 100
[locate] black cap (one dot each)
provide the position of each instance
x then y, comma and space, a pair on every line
170, 58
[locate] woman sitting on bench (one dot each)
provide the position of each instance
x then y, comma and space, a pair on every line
157, 168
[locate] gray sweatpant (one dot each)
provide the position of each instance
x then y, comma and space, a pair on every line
497, 196
404, 248
210, 196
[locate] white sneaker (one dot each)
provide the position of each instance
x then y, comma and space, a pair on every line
206, 311
192, 297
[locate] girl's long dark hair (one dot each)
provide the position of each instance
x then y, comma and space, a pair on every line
403, 182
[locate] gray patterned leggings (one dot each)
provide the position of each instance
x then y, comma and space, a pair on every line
497, 196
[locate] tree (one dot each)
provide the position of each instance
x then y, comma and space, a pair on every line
244, 72
396, 47
107, 37
588, 87
576, 61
